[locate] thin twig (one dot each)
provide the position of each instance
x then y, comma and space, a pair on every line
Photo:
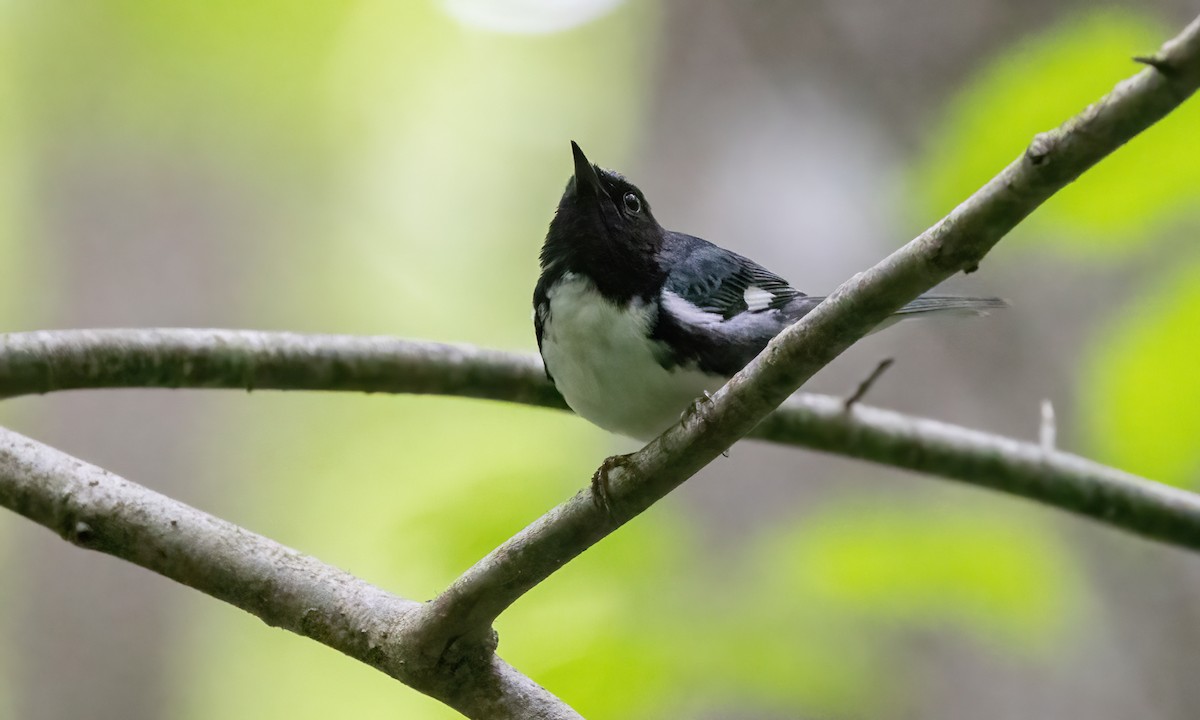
865, 386
1048, 432
1153, 61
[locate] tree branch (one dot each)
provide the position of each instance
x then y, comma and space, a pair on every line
444, 647
42, 362
50, 361
97, 510
1068, 482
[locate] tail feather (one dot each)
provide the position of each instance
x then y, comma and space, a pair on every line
952, 305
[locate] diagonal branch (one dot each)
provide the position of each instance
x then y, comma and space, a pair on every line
97, 510
957, 242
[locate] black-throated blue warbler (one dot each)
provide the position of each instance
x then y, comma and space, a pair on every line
636, 322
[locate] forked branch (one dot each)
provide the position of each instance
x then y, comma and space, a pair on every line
445, 647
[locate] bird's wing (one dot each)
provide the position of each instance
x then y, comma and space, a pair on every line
719, 309
541, 308
722, 282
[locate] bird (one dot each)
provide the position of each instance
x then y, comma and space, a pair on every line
636, 323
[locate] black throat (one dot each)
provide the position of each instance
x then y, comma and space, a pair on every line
622, 265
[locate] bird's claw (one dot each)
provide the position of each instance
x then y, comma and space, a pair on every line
696, 407
601, 482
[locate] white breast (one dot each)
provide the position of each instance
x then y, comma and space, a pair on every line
605, 365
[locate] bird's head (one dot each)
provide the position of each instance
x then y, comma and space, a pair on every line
603, 229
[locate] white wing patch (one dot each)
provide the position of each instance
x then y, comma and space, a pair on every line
686, 312
757, 299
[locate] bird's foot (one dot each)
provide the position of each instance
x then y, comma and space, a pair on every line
601, 482
696, 407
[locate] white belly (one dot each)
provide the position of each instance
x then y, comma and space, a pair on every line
605, 366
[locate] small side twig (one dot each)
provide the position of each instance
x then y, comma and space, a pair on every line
864, 387
1155, 62
1048, 430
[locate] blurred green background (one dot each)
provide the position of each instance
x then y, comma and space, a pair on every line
383, 167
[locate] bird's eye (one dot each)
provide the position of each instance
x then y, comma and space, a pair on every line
632, 204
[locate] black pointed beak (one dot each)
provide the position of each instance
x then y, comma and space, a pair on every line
587, 182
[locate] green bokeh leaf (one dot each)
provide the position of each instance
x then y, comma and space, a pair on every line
241, 78
991, 575
788, 655
1141, 389
1034, 86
